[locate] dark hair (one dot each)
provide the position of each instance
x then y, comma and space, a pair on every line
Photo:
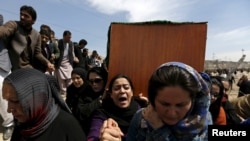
75, 44
101, 72
30, 10
66, 32
1, 19
171, 76
215, 106
221, 79
45, 27
218, 82
85, 49
111, 83
45, 32
52, 32
83, 41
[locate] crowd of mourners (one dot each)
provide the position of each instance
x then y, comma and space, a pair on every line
52, 89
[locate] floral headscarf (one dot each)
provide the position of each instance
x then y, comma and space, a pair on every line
194, 122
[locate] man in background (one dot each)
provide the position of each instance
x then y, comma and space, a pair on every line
24, 42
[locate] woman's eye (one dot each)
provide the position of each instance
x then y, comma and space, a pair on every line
116, 88
165, 104
180, 105
14, 101
126, 88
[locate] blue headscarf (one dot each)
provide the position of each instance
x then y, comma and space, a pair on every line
197, 119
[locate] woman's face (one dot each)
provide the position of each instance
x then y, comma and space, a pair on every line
121, 92
215, 92
172, 104
14, 106
96, 82
77, 80
227, 87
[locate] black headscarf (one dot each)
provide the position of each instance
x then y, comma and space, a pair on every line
122, 116
39, 97
82, 72
73, 93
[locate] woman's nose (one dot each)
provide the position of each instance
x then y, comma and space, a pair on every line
9, 109
171, 112
122, 90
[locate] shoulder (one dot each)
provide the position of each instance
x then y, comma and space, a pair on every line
67, 121
60, 41
35, 33
71, 43
228, 106
138, 116
64, 127
71, 87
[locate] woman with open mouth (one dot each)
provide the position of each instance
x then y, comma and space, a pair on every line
118, 105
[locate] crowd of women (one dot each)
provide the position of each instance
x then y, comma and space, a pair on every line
180, 104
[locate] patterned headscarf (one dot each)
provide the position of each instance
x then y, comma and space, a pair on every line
36, 94
196, 120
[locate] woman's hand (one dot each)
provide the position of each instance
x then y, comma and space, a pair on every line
142, 100
110, 131
152, 117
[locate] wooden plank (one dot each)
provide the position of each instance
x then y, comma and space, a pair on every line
138, 49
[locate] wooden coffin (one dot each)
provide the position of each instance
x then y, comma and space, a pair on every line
137, 49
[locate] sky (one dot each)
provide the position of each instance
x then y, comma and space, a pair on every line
228, 21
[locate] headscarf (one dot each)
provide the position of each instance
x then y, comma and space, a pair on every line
122, 116
82, 72
73, 93
196, 120
55, 89
39, 98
